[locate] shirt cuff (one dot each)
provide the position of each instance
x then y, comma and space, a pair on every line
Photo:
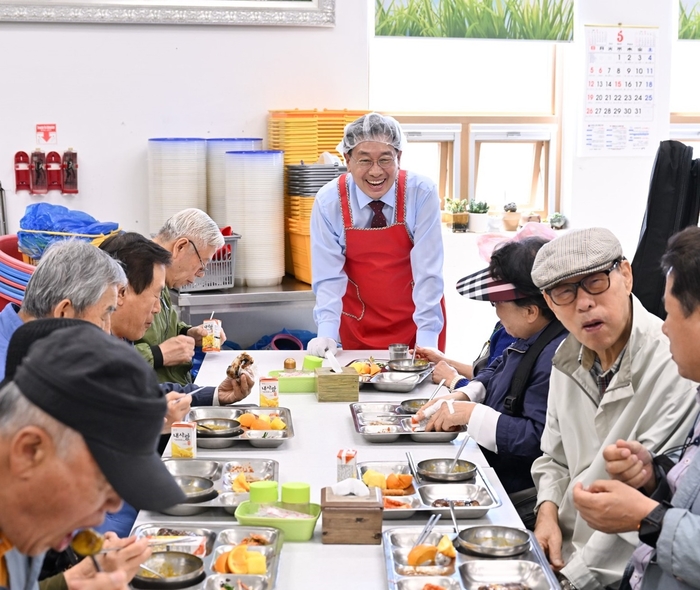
183, 331
482, 426
157, 357
427, 339
474, 390
329, 330
215, 399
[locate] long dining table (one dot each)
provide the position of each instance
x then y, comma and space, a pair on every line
321, 429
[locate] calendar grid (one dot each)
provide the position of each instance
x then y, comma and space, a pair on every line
620, 89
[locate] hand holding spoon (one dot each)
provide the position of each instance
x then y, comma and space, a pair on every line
89, 543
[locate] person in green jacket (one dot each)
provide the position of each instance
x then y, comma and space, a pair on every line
192, 238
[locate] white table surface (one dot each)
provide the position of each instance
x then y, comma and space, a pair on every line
320, 430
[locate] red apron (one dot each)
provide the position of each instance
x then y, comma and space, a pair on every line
378, 303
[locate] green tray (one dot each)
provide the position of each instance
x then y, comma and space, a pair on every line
294, 384
294, 529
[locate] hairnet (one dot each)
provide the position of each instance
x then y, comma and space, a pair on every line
372, 127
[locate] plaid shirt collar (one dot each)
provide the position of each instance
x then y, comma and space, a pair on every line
589, 360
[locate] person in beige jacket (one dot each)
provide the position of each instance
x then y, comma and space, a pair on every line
612, 378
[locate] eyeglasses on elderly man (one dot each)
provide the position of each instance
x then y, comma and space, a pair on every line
593, 284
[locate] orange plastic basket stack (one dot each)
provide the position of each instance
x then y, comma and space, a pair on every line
304, 135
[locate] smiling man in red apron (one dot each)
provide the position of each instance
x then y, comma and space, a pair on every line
377, 248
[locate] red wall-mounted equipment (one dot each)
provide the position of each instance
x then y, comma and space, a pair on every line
70, 172
21, 172
53, 171
38, 180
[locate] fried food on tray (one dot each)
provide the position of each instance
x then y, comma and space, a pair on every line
241, 362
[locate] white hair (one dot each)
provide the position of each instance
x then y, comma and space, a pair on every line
74, 270
193, 224
17, 412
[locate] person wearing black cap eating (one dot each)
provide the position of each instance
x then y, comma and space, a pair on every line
79, 423
507, 425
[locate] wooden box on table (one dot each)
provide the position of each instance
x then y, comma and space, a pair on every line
337, 387
352, 520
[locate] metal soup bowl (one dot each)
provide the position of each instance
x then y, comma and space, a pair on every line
217, 427
494, 541
196, 489
179, 570
437, 469
409, 365
411, 406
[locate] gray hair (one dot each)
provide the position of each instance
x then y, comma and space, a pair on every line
193, 224
17, 412
73, 270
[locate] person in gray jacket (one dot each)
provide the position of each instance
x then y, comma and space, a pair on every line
612, 378
641, 496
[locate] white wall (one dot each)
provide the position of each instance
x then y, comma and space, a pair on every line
111, 87
612, 191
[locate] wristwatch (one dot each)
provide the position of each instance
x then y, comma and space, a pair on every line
650, 527
564, 582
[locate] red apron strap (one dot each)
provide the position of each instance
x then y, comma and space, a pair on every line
401, 197
344, 201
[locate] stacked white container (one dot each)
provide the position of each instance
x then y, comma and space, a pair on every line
177, 177
255, 209
216, 172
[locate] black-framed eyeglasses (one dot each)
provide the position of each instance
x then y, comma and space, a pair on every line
593, 284
203, 267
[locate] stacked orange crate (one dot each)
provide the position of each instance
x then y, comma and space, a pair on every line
304, 135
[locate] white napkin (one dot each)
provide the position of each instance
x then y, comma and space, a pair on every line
350, 486
428, 412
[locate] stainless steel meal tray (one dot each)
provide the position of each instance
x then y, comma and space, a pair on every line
467, 571
393, 381
424, 493
399, 382
382, 422
256, 438
222, 474
223, 538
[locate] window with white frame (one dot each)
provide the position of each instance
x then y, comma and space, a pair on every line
689, 135
512, 163
434, 151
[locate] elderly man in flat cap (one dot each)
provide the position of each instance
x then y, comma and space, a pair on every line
612, 378
79, 424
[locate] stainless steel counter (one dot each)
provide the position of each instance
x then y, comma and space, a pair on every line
248, 313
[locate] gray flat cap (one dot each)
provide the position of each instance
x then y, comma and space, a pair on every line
575, 253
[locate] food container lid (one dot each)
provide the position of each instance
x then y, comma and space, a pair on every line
296, 493
263, 492
290, 363
312, 362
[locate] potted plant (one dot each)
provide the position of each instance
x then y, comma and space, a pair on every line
478, 216
557, 220
528, 217
456, 213
511, 217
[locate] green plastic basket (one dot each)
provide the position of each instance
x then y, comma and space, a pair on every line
294, 384
294, 529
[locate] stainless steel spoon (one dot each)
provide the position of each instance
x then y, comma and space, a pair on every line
459, 452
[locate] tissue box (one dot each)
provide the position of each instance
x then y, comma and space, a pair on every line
337, 387
350, 520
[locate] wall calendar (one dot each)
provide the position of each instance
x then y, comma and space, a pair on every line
620, 91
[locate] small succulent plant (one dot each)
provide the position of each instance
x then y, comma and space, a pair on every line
478, 206
557, 220
455, 205
510, 207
